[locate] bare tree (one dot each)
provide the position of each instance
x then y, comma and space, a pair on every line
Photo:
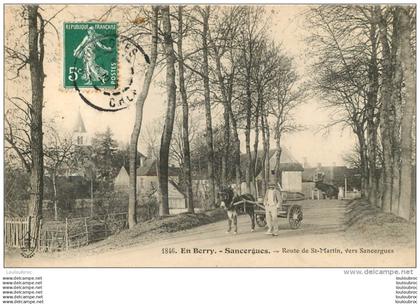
273, 87
36, 34
387, 121
17, 131
407, 125
367, 70
342, 71
186, 161
132, 198
205, 14
352, 158
372, 107
170, 111
287, 96
58, 152
222, 42
251, 37
26, 137
225, 47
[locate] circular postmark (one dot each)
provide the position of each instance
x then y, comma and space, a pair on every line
106, 67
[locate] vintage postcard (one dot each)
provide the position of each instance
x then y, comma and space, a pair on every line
209, 135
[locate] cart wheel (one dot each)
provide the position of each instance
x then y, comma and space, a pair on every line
261, 220
295, 216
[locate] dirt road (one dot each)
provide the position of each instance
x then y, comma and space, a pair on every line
320, 242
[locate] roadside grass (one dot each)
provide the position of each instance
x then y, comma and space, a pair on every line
370, 225
152, 230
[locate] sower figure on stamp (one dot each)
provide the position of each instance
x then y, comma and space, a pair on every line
86, 51
272, 201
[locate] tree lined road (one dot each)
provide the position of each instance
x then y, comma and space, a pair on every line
210, 245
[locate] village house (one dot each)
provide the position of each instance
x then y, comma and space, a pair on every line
291, 174
147, 182
291, 170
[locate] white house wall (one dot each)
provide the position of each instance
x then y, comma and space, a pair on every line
292, 181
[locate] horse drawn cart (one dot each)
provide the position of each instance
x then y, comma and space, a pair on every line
289, 209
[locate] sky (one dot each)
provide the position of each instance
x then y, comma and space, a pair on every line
317, 145
286, 26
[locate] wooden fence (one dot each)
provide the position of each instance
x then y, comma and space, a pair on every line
64, 235
15, 230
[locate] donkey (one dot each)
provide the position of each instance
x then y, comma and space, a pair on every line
234, 204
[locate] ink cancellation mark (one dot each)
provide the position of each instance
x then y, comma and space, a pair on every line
93, 67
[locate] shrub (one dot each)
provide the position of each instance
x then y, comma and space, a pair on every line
147, 209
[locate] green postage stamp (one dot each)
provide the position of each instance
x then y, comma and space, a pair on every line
90, 55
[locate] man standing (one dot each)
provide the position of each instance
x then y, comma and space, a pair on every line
272, 201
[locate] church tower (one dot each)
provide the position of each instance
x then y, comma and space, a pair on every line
80, 136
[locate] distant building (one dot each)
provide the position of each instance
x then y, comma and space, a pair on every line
291, 170
80, 135
334, 175
339, 176
81, 144
148, 183
121, 180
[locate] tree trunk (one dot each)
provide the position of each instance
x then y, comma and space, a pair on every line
408, 65
36, 66
265, 171
278, 157
386, 123
372, 155
226, 120
209, 130
185, 116
236, 141
237, 146
92, 202
396, 106
248, 170
54, 184
170, 112
380, 187
132, 192
226, 147
254, 163
372, 123
395, 194
363, 162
